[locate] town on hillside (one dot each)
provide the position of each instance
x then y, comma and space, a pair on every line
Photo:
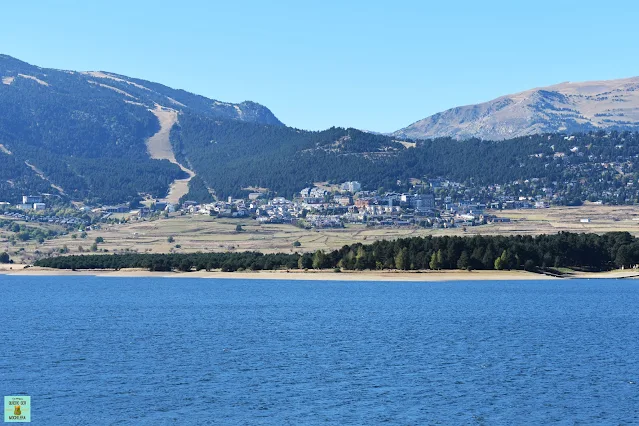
434, 203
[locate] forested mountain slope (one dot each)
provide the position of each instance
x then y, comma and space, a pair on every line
82, 135
232, 156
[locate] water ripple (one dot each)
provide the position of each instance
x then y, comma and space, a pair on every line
161, 351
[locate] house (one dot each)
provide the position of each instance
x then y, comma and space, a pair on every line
121, 208
280, 201
424, 202
344, 200
144, 212
39, 206
363, 202
30, 199
240, 213
187, 204
160, 206
313, 200
499, 220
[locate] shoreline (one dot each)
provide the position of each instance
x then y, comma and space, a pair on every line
324, 275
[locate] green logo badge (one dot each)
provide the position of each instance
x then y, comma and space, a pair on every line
17, 409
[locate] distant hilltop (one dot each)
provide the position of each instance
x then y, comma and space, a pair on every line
565, 107
16, 74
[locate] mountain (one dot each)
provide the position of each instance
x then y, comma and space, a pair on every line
565, 107
85, 135
100, 137
103, 138
15, 73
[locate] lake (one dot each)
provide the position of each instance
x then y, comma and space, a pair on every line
103, 350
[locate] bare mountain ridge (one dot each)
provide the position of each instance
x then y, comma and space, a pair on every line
133, 91
565, 107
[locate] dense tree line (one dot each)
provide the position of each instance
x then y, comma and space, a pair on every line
175, 261
591, 252
585, 251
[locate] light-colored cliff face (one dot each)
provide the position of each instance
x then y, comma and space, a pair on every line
565, 107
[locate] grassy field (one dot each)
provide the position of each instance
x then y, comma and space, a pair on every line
206, 234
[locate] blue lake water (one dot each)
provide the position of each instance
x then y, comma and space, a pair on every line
92, 350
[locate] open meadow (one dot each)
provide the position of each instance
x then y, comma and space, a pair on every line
192, 233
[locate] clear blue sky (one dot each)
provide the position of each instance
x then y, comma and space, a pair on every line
375, 65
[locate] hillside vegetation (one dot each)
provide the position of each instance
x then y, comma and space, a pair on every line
230, 156
82, 136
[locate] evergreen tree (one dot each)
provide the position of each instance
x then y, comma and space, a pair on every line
436, 260
319, 259
400, 259
464, 261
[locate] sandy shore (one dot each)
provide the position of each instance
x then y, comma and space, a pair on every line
321, 275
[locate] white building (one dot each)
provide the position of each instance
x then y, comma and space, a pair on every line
351, 187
